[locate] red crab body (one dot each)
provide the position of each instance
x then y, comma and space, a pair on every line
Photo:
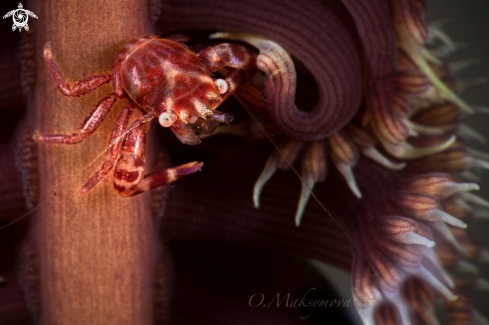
159, 75
164, 79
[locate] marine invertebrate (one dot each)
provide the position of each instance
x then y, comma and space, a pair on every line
391, 241
163, 79
403, 123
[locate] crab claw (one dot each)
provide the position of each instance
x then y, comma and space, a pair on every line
184, 133
208, 125
223, 117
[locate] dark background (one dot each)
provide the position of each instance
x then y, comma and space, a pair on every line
469, 24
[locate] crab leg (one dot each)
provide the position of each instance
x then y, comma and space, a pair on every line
242, 64
92, 123
234, 79
158, 178
76, 89
129, 178
114, 151
229, 56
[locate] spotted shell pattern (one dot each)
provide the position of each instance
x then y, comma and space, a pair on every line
160, 74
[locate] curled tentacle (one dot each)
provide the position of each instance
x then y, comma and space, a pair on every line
329, 53
410, 121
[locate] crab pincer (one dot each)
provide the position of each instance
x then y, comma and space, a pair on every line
163, 79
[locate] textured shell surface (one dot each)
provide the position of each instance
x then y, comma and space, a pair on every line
161, 74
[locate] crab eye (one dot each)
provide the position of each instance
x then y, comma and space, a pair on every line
167, 119
221, 85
